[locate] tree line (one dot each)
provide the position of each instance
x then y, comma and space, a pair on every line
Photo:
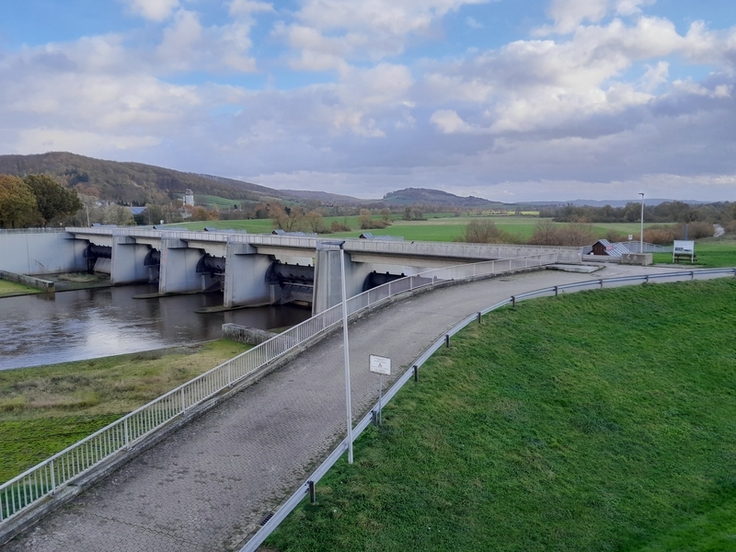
722, 212
34, 200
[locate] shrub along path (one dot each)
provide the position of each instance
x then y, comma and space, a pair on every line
208, 486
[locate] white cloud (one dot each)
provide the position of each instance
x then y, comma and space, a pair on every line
449, 122
569, 15
34, 140
473, 23
330, 34
154, 10
655, 76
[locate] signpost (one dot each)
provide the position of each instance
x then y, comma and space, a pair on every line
382, 366
683, 248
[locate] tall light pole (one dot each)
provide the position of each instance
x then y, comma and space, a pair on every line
348, 406
641, 231
346, 349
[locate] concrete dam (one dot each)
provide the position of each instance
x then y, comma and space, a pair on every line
250, 269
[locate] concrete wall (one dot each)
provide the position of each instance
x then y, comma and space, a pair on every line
243, 334
178, 272
328, 283
45, 285
127, 261
644, 259
245, 277
41, 253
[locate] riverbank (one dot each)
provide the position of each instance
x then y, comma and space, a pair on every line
47, 408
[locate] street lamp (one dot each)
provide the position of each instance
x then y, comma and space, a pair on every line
348, 406
641, 231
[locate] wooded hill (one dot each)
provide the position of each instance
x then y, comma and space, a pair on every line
424, 196
136, 183
139, 184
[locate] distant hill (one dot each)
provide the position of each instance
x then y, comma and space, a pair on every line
603, 203
424, 196
133, 183
322, 197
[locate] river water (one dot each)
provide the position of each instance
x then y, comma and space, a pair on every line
91, 323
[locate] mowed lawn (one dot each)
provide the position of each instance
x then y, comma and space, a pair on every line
596, 421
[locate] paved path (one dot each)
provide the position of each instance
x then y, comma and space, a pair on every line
208, 486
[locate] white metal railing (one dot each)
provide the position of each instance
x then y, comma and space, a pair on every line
308, 486
52, 474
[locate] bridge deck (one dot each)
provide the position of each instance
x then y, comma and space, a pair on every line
208, 486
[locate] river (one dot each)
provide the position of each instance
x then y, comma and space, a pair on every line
91, 323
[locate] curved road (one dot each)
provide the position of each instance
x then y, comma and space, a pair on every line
209, 485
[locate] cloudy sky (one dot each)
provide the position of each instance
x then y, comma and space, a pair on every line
508, 100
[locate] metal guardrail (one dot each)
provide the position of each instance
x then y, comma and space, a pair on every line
308, 486
51, 475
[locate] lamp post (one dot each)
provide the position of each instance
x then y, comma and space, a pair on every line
348, 406
641, 231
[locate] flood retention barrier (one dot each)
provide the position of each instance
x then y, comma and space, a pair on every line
30, 281
308, 488
55, 481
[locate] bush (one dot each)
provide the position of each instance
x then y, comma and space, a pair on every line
548, 233
340, 226
696, 230
485, 231
660, 235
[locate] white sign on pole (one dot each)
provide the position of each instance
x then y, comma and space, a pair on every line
380, 365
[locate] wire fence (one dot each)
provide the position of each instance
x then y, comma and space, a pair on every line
308, 487
47, 478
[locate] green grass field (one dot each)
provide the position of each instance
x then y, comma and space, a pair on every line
441, 227
711, 253
597, 421
44, 409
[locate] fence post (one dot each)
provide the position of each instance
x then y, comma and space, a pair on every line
53, 477
692, 275
601, 283
447, 340
555, 291
127, 434
416, 373
181, 394
513, 300
479, 315
312, 492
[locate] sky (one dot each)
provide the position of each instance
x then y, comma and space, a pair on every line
507, 100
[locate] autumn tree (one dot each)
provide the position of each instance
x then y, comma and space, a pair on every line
285, 218
119, 215
315, 222
18, 207
53, 199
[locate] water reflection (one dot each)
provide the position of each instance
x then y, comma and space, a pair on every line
76, 325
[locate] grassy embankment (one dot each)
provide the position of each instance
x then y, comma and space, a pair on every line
47, 408
595, 421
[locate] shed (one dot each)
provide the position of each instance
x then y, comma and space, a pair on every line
606, 248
